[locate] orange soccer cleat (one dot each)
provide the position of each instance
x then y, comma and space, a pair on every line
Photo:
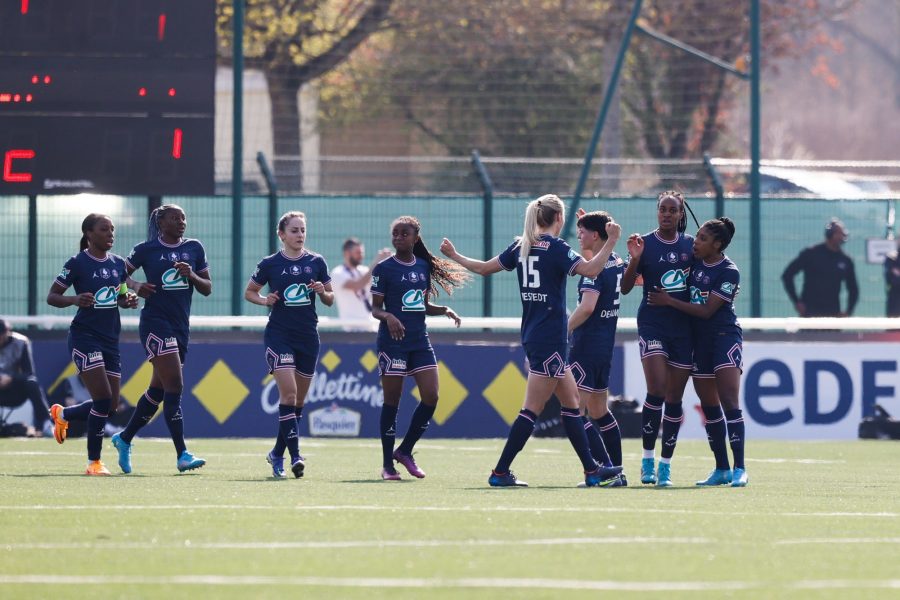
60, 425
96, 467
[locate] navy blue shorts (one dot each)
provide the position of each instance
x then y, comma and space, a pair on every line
90, 353
159, 338
676, 346
547, 360
591, 370
396, 361
300, 355
717, 351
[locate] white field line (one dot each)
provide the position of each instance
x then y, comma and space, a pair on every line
424, 583
305, 444
798, 541
407, 509
256, 545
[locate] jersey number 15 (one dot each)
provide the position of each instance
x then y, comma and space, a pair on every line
531, 277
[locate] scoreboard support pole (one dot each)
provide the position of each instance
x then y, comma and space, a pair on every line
32, 254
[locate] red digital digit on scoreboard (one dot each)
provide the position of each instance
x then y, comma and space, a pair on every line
16, 176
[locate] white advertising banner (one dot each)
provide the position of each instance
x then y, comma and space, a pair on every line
798, 390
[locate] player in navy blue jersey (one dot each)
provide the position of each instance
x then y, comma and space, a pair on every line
662, 258
174, 267
402, 288
99, 280
296, 277
718, 344
592, 327
542, 262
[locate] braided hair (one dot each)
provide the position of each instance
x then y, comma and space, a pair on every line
722, 230
155, 215
681, 226
444, 273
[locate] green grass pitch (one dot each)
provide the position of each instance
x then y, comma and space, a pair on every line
818, 520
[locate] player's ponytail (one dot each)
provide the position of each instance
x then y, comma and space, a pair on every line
88, 225
540, 213
722, 230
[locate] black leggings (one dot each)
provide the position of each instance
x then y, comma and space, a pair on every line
26, 388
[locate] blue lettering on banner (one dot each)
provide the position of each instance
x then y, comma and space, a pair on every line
871, 390
811, 398
754, 391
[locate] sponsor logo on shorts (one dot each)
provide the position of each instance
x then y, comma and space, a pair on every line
286, 358
654, 345
398, 363
94, 357
170, 342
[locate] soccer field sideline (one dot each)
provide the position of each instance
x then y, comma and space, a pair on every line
817, 519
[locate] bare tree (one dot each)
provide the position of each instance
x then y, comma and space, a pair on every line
294, 42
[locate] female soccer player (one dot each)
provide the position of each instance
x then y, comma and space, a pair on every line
592, 327
402, 288
718, 344
542, 262
295, 276
663, 258
174, 267
99, 279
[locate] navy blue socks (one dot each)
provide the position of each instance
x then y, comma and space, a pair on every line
673, 415
388, 429
651, 416
143, 412
174, 419
734, 420
612, 437
521, 430
417, 426
96, 425
715, 435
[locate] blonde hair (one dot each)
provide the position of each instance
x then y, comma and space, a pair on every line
540, 213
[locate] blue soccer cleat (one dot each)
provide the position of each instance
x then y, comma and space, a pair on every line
716, 477
189, 462
740, 478
647, 471
277, 463
505, 480
664, 475
601, 476
298, 466
124, 449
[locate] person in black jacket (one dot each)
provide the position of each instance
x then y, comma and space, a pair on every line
825, 267
18, 381
892, 281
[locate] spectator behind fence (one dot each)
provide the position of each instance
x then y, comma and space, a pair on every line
350, 282
825, 267
892, 281
18, 381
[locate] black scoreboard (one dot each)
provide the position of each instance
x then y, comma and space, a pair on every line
107, 96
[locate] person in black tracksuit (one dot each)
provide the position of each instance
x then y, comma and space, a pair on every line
825, 268
892, 281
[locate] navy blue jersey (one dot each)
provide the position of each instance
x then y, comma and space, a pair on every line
542, 287
404, 287
102, 278
172, 299
295, 311
665, 265
721, 279
600, 326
